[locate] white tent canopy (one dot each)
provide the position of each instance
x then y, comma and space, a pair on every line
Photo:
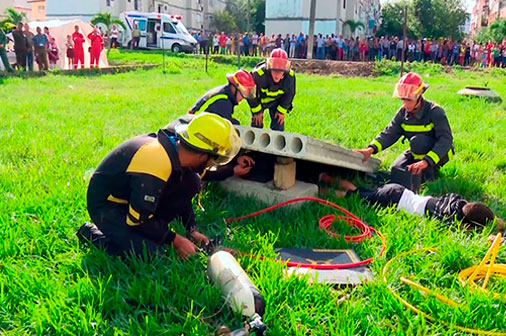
59, 30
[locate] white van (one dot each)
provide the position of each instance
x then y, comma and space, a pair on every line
158, 31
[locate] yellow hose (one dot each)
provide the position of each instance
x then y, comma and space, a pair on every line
498, 269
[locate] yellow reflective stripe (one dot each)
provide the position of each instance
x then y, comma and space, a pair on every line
378, 145
418, 156
117, 200
260, 72
450, 154
272, 93
433, 156
256, 109
134, 213
417, 128
267, 100
210, 101
290, 73
281, 109
131, 222
152, 159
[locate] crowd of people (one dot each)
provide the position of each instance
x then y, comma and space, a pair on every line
334, 47
41, 48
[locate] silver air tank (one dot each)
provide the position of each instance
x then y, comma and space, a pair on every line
237, 288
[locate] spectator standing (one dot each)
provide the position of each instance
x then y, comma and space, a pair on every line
3, 53
97, 45
78, 40
503, 53
254, 44
52, 53
216, 44
228, 44
69, 45
246, 44
20, 46
320, 45
223, 43
203, 42
114, 34
293, 45
40, 41
136, 37
29, 52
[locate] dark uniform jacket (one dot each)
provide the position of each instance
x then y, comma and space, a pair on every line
144, 176
272, 95
430, 120
219, 100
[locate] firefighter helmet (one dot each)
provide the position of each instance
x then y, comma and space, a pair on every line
278, 60
410, 86
210, 133
243, 81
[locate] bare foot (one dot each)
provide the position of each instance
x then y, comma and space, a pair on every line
347, 185
326, 178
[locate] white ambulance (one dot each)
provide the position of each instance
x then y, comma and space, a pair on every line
158, 31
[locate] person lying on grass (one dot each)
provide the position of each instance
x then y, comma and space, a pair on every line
448, 207
150, 180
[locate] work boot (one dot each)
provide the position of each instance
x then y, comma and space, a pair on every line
89, 232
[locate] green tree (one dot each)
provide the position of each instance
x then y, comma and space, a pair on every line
12, 18
107, 20
495, 32
224, 21
392, 19
424, 22
354, 25
239, 10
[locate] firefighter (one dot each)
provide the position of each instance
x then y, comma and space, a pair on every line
448, 207
222, 99
150, 180
78, 40
275, 83
423, 124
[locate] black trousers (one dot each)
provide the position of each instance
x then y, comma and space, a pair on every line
21, 58
120, 239
385, 196
419, 146
275, 125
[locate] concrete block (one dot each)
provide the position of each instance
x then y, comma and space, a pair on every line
481, 92
284, 174
349, 276
297, 146
267, 192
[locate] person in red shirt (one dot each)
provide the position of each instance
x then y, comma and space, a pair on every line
78, 40
97, 44
223, 43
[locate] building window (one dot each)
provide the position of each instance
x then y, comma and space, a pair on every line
160, 8
136, 4
108, 3
344, 4
41, 9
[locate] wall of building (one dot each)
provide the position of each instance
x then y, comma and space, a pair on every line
38, 10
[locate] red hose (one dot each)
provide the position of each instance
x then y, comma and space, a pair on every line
325, 222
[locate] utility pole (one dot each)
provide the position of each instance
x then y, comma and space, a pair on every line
404, 39
310, 40
248, 24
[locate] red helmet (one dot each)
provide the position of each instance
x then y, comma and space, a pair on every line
278, 60
410, 86
244, 82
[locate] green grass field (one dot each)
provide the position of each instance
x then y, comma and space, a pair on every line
54, 130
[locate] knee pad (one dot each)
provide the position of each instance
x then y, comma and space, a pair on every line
421, 144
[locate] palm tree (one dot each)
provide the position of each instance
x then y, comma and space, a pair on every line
353, 25
12, 18
107, 20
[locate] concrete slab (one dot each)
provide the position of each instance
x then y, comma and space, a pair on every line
481, 92
302, 147
267, 192
344, 277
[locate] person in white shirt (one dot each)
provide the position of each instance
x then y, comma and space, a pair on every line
114, 34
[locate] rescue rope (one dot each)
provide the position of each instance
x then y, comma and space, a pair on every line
324, 223
471, 274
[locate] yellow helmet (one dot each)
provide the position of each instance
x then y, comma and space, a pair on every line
210, 133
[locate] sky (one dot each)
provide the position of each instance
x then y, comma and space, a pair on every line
469, 4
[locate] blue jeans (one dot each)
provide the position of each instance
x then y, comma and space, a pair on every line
320, 52
29, 60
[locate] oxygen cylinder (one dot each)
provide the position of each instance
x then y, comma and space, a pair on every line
239, 292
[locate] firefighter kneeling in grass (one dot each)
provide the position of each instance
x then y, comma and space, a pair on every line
275, 90
150, 180
424, 124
